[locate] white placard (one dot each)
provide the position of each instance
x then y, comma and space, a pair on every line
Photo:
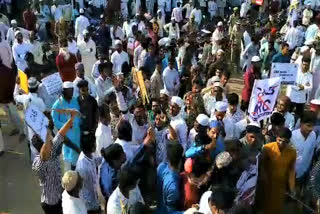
263, 98
53, 83
37, 121
287, 72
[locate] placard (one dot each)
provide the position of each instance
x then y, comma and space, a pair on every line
23, 81
263, 98
53, 83
286, 71
37, 121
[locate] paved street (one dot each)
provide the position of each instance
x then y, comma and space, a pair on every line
19, 189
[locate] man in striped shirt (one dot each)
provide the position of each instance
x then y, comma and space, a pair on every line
47, 166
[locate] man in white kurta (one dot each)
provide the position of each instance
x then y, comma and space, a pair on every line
36, 49
19, 50
119, 57
87, 49
81, 24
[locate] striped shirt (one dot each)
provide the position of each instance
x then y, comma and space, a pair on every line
49, 173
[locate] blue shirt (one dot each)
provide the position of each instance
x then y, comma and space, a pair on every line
168, 186
198, 150
69, 155
281, 58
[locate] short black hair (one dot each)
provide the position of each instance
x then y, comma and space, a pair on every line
104, 65
112, 152
222, 197
233, 99
284, 133
308, 117
82, 84
284, 44
103, 110
124, 130
226, 74
306, 59
200, 166
174, 153
277, 119
88, 141
127, 178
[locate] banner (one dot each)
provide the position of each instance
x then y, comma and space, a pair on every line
23, 81
53, 83
138, 79
263, 98
287, 72
37, 121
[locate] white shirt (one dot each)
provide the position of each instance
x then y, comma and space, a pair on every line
117, 200
11, 36
197, 15
188, 7
138, 132
103, 137
81, 24
204, 206
19, 52
36, 50
91, 87
212, 8
229, 128
191, 137
72, 205
292, 37
289, 120
118, 34
305, 149
177, 14
95, 69
172, 30
171, 80
118, 59
300, 96
102, 86
72, 47
180, 126
129, 148
210, 102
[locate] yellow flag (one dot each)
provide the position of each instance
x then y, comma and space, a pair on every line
23, 81
138, 79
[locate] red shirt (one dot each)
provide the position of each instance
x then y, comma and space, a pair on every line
66, 67
249, 78
191, 192
30, 20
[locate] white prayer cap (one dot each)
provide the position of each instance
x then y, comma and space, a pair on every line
215, 79
255, 59
223, 159
304, 49
220, 24
164, 91
217, 84
315, 102
164, 41
203, 120
85, 31
159, 11
118, 42
14, 22
220, 51
172, 19
81, 11
17, 32
90, 2
221, 106
205, 31
67, 84
309, 42
177, 100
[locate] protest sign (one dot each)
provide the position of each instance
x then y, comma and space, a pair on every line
287, 72
37, 121
263, 98
53, 83
23, 81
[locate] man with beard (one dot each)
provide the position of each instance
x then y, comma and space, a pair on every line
164, 100
201, 124
80, 76
88, 108
65, 62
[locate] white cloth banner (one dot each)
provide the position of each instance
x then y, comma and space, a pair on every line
263, 98
37, 121
287, 72
53, 83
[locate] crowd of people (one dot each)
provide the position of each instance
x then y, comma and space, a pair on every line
177, 138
